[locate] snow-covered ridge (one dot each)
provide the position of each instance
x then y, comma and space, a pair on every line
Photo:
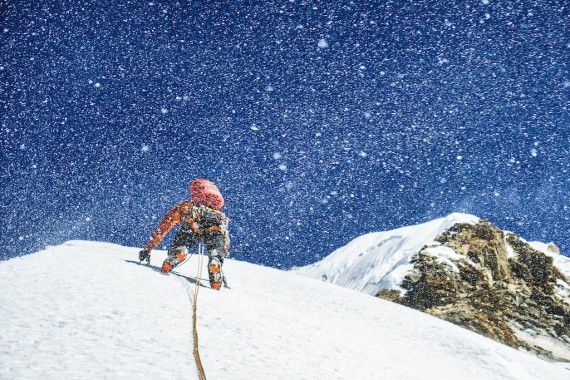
88, 310
380, 260
453, 268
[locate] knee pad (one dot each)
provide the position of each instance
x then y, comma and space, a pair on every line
178, 254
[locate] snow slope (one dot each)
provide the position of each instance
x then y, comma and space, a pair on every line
380, 260
87, 310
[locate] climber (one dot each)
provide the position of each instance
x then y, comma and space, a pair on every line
201, 220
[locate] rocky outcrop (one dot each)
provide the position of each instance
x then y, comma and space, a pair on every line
494, 283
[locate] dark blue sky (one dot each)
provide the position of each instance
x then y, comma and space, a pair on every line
320, 121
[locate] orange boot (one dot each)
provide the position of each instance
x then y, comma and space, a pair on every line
171, 262
215, 275
166, 266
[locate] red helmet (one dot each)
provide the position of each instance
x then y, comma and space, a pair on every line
205, 192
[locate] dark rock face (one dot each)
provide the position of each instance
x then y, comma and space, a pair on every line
495, 284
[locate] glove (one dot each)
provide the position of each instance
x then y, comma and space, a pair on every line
144, 255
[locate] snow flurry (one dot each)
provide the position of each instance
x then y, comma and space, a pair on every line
319, 121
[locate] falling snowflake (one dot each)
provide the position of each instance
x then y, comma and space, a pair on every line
323, 43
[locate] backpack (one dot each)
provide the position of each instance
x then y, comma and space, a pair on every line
203, 219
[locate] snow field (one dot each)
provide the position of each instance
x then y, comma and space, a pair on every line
88, 310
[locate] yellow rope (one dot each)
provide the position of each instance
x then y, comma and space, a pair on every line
195, 319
